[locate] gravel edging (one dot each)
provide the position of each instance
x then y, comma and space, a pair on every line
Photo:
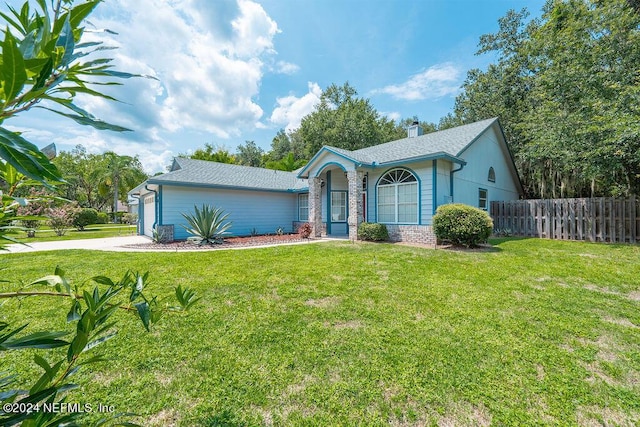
229, 243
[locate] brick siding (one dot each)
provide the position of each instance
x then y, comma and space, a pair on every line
412, 233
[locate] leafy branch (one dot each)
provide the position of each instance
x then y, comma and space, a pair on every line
44, 59
92, 313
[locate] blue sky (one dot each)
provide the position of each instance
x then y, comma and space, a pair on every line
235, 70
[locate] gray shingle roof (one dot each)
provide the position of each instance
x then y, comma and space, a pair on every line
201, 172
445, 143
449, 141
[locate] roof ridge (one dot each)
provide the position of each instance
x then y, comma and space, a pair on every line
429, 135
232, 165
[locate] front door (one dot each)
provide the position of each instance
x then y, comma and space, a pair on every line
338, 213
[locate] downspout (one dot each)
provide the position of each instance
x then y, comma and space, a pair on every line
328, 203
451, 180
155, 206
434, 185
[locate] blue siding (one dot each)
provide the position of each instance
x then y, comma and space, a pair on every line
486, 152
443, 184
264, 211
424, 170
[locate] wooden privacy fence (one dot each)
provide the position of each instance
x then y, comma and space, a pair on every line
600, 219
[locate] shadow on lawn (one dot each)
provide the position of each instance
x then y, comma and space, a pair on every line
223, 419
487, 247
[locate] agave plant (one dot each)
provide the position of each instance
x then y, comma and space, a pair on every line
207, 224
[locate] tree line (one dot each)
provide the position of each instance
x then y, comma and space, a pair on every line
97, 181
567, 90
565, 86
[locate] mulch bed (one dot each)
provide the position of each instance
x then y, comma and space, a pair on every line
229, 243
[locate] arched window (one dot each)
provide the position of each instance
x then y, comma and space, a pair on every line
492, 175
398, 197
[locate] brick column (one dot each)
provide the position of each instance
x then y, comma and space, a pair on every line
355, 203
315, 206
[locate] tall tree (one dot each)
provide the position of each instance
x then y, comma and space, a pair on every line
82, 173
120, 174
566, 88
343, 120
280, 146
249, 154
284, 144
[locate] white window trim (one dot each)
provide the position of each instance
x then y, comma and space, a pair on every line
396, 204
346, 204
486, 199
300, 207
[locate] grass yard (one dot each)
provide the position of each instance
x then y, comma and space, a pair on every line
46, 234
535, 332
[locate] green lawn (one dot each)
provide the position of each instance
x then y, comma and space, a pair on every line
535, 332
45, 234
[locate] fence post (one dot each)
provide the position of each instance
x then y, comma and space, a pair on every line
612, 220
633, 220
622, 208
551, 219
601, 234
580, 219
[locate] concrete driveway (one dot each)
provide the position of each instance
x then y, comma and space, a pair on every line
103, 244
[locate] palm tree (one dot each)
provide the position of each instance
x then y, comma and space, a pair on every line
120, 172
288, 163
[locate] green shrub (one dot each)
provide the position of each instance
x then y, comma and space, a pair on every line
84, 217
373, 232
462, 224
103, 218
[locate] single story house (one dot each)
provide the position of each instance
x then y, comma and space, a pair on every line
399, 183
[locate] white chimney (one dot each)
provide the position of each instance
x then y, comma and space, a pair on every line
414, 130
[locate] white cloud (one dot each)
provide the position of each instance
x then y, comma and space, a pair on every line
283, 67
435, 82
254, 30
290, 109
209, 58
392, 115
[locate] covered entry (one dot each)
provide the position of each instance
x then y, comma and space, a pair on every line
336, 198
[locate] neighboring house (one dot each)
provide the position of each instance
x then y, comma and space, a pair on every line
122, 206
399, 183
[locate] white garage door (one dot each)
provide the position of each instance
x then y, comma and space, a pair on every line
149, 215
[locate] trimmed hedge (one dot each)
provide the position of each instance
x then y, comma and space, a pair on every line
84, 217
462, 224
373, 232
